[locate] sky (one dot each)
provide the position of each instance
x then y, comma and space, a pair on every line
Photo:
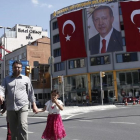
30, 12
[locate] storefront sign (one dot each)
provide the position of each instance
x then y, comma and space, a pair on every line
28, 31
78, 6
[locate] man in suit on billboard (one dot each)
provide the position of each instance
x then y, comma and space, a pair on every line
108, 39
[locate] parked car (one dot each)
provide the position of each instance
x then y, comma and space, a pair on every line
130, 99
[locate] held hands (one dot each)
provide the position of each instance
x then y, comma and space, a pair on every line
35, 109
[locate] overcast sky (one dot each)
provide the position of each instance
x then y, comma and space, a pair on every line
30, 12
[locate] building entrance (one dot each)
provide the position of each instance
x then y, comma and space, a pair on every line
109, 96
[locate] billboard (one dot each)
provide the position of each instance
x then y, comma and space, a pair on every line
104, 28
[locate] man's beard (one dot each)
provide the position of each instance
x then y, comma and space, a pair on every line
16, 73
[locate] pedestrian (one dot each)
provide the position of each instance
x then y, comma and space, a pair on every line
8, 129
54, 128
87, 99
18, 92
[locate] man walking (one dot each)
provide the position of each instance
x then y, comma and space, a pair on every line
18, 92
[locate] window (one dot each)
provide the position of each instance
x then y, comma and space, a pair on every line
56, 38
40, 96
123, 40
20, 57
119, 58
23, 55
78, 63
100, 60
55, 25
122, 78
126, 57
57, 52
120, 11
15, 58
59, 66
122, 27
7, 62
135, 76
129, 78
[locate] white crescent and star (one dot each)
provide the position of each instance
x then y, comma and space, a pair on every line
73, 25
135, 12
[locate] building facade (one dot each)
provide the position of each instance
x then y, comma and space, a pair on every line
18, 36
38, 50
82, 75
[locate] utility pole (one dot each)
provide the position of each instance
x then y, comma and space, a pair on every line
61, 81
63, 90
28, 71
102, 74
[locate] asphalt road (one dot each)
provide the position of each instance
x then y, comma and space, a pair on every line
121, 123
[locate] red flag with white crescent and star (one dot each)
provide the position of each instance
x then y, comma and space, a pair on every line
71, 36
131, 19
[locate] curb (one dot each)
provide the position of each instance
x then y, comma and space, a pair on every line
75, 109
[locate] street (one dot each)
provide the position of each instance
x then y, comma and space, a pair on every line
120, 123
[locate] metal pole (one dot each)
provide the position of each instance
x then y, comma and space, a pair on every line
30, 107
101, 86
51, 82
4, 54
63, 90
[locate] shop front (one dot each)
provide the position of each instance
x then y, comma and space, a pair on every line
75, 89
128, 84
107, 86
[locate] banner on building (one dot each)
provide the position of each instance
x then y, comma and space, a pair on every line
131, 20
71, 35
104, 28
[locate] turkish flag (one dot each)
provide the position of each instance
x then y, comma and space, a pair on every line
1, 47
71, 35
1, 57
131, 19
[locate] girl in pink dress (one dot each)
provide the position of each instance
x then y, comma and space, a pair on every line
54, 128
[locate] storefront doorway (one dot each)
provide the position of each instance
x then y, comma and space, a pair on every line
109, 96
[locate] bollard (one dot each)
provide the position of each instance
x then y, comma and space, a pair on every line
126, 102
134, 102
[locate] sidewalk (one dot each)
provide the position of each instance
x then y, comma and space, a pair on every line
73, 109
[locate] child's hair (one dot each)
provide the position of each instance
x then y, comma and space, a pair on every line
55, 91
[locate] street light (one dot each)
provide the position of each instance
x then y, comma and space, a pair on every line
4, 36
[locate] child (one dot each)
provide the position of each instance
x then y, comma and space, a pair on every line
54, 129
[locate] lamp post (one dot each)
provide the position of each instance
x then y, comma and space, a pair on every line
4, 36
